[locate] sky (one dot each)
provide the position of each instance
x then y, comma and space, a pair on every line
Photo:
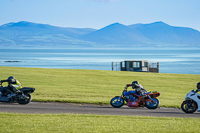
100, 13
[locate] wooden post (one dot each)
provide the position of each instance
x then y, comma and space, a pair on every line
120, 66
112, 66
158, 66
149, 67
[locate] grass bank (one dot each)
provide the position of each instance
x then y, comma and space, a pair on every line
98, 87
68, 123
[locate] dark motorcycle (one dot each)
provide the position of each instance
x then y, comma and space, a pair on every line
24, 97
135, 100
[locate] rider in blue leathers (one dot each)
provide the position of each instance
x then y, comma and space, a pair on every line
138, 89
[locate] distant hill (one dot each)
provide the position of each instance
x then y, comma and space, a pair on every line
33, 34
158, 34
154, 34
117, 34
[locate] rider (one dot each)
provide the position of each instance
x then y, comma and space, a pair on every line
198, 86
13, 84
139, 89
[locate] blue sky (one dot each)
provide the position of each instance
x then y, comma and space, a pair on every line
100, 13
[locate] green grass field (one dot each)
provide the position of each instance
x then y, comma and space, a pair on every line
98, 87
71, 123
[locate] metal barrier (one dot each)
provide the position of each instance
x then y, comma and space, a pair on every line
144, 66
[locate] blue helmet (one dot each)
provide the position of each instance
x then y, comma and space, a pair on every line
198, 85
11, 79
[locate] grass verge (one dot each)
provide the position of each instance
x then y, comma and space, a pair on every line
68, 123
98, 87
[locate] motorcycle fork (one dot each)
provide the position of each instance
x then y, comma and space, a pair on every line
189, 103
121, 97
153, 101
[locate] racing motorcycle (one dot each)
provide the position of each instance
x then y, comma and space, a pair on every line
134, 100
192, 102
24, 97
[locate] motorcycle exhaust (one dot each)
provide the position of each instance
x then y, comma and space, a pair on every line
133, 104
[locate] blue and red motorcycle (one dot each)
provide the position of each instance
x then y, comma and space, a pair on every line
148, 100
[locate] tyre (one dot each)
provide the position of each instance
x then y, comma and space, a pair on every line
24, 99
152, 104
189, 106
117, 102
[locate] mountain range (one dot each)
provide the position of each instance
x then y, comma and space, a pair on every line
157, 34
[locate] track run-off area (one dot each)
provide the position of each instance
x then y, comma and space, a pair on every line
57, 108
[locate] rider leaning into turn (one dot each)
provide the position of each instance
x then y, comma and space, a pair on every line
198, 86
139, 89
13, 84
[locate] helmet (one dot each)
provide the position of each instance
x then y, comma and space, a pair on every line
198, 85
134, 84
11, 79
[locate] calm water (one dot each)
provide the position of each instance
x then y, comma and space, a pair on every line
184, 61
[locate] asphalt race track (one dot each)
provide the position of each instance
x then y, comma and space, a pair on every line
43, 108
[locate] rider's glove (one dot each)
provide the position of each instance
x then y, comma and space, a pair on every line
128, 85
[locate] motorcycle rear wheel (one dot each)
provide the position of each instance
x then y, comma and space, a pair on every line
117, 102
152, 105
24, 101
189, 106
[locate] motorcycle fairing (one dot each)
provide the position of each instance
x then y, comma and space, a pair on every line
27, 90
154, 94
130, 92
194, 96
133, 104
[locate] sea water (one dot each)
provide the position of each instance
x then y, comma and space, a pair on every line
183, 61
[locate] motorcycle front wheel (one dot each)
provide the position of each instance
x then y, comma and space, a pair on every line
152, 104
189, 106
117, 102
24, 99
